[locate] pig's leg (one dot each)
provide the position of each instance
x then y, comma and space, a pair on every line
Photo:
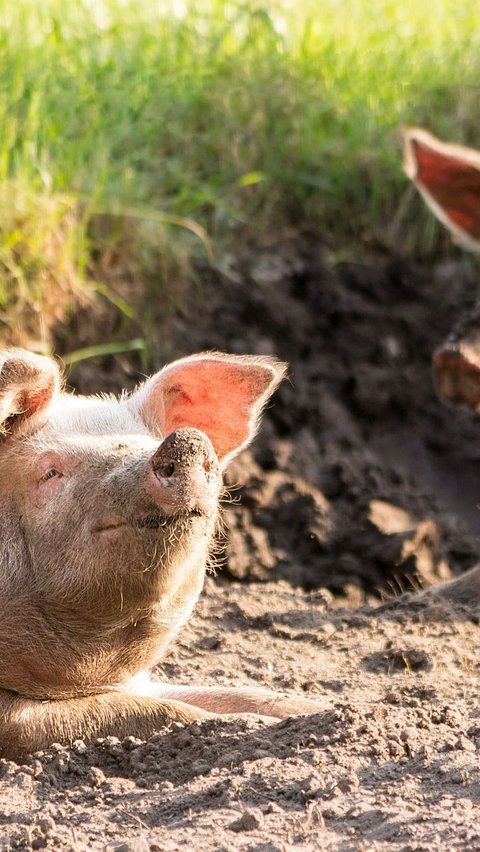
463, 591
28, 725
233, 700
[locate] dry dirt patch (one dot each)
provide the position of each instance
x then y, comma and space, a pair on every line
392, 761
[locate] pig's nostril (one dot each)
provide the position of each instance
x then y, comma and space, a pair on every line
166, 470
183, 455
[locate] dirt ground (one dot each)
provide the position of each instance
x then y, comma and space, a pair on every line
360, 485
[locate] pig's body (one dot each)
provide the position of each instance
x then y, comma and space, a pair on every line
108, 510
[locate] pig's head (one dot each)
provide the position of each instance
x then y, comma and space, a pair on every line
108, 506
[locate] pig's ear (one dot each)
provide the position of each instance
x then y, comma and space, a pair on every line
222, 395
448, 177
456, 374
456, 364
28, 383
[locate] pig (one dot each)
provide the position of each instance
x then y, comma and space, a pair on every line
448, 178
108, 512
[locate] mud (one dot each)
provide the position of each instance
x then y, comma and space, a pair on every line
360, 484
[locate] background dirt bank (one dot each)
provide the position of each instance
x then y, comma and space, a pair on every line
357, 427
360, 480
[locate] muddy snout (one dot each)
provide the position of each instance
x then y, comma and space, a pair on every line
186, 473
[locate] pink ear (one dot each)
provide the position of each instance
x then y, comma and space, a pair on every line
28, 382
448, 177
222, 395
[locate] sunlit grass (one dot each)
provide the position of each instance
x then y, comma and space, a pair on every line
172, 104
224, 113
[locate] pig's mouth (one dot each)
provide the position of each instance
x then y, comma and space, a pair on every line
155, 521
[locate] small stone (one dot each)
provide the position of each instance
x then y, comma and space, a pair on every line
7, 767
209, 643
79, 746
95, 777
62, 763
37, 768
46, 825
272, 808
461, 776
465, 744
348, 783
130, 743
113, 746
392, 697
409, 734
249, 821
110, 743
23, 780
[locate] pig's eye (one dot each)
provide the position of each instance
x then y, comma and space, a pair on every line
50, 474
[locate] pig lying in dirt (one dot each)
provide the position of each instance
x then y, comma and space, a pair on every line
108, 510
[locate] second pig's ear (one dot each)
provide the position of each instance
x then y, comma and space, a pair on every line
221, 395
448, 177
456, 364
28, 383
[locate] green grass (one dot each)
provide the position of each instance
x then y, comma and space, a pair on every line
216, 114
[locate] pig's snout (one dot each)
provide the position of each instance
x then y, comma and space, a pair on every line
183, 450
186, 474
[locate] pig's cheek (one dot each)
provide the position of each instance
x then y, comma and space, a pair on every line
45, 492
